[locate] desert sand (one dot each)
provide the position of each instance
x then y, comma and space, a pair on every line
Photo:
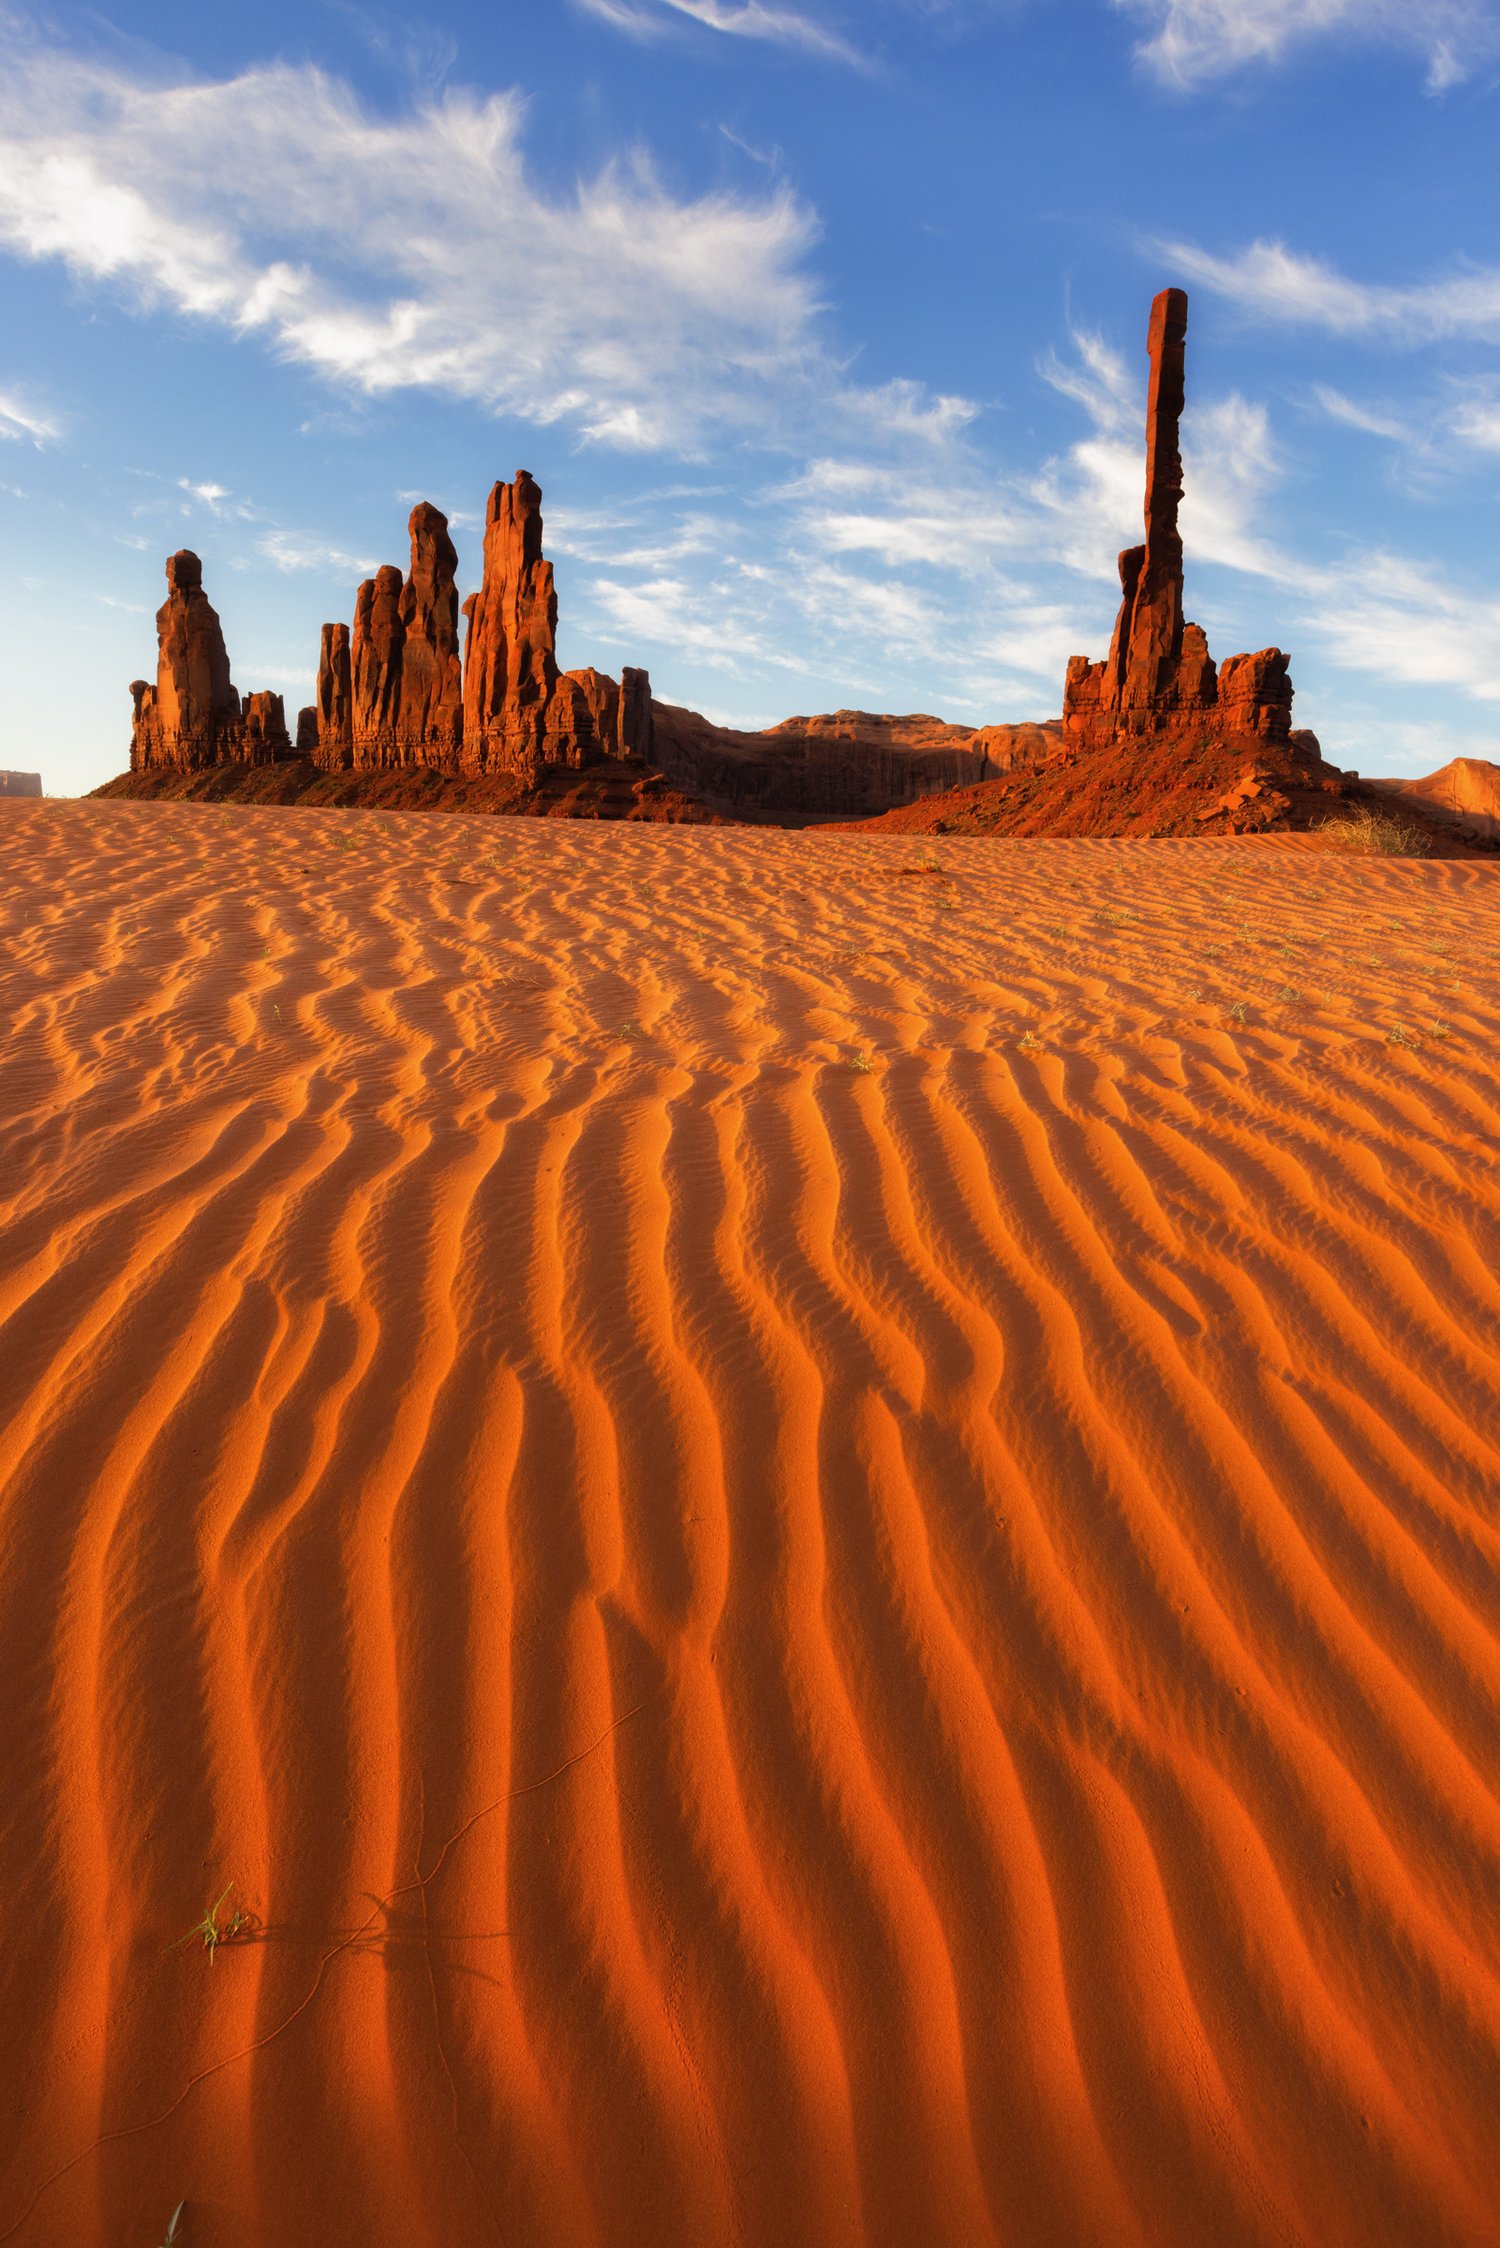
813, 1520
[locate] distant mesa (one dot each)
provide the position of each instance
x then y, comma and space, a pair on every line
20, 784
1159, 678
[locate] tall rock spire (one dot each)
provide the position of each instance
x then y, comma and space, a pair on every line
334, 728
180, 721
193, 715
1159, 676
510, 658
1155, 628
431, 717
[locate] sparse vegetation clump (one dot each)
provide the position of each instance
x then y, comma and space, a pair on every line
1370, 831
211, 1931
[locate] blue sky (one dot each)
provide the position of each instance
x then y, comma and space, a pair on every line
821, 323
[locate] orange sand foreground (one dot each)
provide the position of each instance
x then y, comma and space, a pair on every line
819, 1542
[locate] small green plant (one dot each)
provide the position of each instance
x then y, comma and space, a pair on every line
1029, 1042
211, 1931
1441, 1029
1238, 1011
1290, 991
861, 1063
631, 1029
173, 2232
1399, 1035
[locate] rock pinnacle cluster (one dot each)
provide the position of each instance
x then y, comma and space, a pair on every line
472, 690
396, 689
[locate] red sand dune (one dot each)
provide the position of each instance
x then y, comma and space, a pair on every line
818, 1539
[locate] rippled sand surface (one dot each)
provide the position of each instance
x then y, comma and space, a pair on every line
815, 1533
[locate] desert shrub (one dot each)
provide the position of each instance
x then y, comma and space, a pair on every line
1370, 831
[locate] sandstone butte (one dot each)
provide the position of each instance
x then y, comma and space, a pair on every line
20, 784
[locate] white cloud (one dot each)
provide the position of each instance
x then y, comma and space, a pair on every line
1477, 423
1093, 493
304, 550
22, 420
740, 19
387, 252
901, 413
1192, 40
212, 496
1280, 285
1396, 619
1354, 416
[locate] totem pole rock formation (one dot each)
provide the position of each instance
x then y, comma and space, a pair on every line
520, 712
192, 716
1159, 677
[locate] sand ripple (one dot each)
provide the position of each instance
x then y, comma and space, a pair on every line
815, 1525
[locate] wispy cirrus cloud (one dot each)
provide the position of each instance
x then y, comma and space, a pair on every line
737, 19
1290, 288
388, 252
306, 550
23, 421
1191, 41
1369, 420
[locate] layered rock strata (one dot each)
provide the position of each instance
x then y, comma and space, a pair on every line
193, 716
1159, 677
